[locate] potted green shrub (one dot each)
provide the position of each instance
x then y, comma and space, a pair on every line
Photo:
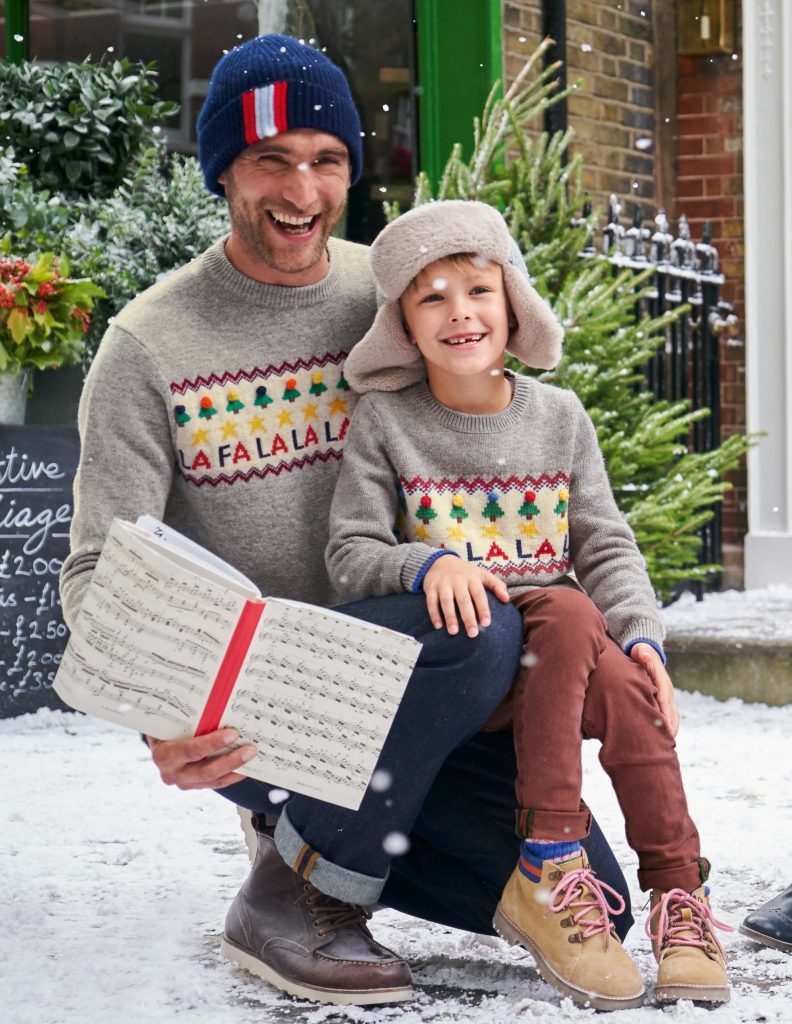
44, 315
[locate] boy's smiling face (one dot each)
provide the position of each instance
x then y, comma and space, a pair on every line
457, 312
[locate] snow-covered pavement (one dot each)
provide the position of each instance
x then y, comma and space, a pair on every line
114, 888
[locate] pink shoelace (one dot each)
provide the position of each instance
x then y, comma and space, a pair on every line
674, 930
581, 891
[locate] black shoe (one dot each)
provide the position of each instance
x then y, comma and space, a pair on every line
771, 924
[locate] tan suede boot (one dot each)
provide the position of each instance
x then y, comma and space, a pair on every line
691, 961
562, 920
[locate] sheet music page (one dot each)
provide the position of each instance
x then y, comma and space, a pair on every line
149, 639
195, 554
319, 693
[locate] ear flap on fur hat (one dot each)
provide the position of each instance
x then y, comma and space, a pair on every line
384, 360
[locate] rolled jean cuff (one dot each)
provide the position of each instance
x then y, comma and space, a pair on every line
341, 883
555, 826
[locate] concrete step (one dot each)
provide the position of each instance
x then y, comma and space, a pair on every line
735, 644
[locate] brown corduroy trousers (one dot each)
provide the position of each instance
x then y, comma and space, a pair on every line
578, 684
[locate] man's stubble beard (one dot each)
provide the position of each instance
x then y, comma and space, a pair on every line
250, 227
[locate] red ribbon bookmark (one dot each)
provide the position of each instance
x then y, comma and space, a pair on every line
228, 672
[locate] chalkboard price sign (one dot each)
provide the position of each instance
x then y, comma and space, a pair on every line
37, 466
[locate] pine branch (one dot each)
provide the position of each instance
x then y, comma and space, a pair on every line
666, 492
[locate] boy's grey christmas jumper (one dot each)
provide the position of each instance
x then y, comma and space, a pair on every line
522, 493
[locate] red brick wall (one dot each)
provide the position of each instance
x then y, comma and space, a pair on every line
710, 187
611, 48
610, 51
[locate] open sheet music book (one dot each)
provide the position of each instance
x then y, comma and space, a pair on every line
174, 642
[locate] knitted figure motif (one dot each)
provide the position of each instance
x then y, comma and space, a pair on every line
426, 514
244, 447
561, 510
529, 508
458, 513
207, 409
234, 404
317, 385
342, 384
458, 508
290, 391
509, 539
492, 511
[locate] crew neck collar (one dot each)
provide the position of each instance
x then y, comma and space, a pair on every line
270, 296
479, 423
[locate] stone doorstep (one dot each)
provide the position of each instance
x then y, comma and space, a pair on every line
755, 670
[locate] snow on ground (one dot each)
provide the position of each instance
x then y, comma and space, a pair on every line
761, 616
115, 888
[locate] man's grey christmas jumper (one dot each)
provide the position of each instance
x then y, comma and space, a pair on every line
185, 416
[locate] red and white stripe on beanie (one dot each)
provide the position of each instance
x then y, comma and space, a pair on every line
264, 111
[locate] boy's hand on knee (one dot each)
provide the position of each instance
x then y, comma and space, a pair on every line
649, 660
455, 590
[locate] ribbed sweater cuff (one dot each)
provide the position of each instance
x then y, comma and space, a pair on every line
644, 640
430, 561
414, 565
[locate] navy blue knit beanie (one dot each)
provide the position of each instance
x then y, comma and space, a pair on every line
268, 85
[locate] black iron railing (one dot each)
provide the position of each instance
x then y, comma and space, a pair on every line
686, 365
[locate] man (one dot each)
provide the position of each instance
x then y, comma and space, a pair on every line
217, 401
771, 924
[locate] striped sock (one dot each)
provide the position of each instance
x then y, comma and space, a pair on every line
533, 856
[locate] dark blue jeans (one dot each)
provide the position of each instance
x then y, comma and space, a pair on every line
451, 791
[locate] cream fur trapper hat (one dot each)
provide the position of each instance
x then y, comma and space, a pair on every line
385, 359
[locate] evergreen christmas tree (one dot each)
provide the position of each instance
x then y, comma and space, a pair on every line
262, 398
492, 510
234, 404
317, 384
529, 508
665, 492
458, 511
207, 409
425, 512
290, 391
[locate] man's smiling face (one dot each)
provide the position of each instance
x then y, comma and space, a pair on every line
285, 195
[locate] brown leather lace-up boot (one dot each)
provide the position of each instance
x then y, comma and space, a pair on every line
284, 930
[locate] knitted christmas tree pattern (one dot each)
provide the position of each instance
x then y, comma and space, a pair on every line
513, 527
240, 425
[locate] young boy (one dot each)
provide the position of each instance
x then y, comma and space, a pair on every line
495, 482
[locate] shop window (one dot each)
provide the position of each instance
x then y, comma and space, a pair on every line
372, 40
